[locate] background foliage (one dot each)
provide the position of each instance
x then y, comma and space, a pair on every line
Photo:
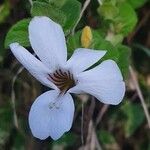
119, 26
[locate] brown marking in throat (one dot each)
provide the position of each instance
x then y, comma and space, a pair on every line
64, 80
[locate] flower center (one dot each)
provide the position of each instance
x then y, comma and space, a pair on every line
64, 80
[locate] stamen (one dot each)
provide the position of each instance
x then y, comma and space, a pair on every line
53, 105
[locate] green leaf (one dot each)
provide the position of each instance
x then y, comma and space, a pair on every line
58, 3
19, 142
105, 137
67, 140
137, 3
114, 38
108, 10
74, 42
72, 10
124, 59
126, 19
2, 50
18, 33
64, 12
6, 123
99, 43
134, 117
107, 140
4, 11
47, 9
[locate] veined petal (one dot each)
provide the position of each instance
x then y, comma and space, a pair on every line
104, 82
51, 115
32, 64
83, 58
48, 41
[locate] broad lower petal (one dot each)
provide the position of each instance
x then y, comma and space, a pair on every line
83, 58
48, 41
32, 64
51, 115
105, 82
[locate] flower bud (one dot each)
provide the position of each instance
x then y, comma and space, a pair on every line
86, 37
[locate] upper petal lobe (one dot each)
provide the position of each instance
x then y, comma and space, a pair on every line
32, 64
83, 58
48, 41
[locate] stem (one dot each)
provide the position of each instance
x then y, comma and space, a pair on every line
86, 3
82, 122
135, 82
13, 97
31, 2
100, 2
101, 114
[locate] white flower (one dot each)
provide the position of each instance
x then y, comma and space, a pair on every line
52, 112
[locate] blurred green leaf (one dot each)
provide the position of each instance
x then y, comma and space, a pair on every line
19, 142
105, 137
2, 50
6, 123
114, 38
137, 3
124, 59
107, 140
72, 10
4, 11
64, 12
134, 117
108, 10
74, 42
126, 19
57, 3
67, 140
18, 33
47, 9
99, 43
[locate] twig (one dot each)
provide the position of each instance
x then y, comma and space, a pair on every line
13, 97
101, 114
31, 2
100, 2
135, 82
98, 146
82, 122
141, 23
92, 142
86, 3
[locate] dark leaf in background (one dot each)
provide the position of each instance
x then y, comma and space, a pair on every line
134, 117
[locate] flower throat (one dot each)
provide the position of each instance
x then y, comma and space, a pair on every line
64, 80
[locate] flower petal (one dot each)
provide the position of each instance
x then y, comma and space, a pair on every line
104, 82
48, 41
32, 64
45, 120
83, 58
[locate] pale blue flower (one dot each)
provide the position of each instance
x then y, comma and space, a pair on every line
52, 112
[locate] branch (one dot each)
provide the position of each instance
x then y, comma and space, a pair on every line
13, 97
135, 82
101, 114
31, 2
